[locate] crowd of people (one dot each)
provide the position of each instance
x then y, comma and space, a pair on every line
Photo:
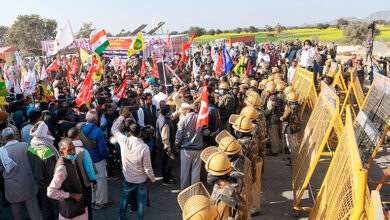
57, 157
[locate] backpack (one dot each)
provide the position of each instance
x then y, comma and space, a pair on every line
294, 121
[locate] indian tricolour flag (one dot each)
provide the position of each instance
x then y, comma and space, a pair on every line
98, 40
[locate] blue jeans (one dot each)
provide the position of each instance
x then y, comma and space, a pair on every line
317, 70
141, 190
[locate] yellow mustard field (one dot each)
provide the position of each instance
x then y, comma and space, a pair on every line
323, 35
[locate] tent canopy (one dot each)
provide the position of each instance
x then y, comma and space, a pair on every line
3, 50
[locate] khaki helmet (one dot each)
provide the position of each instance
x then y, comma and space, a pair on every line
271, 78
235, 79
249, 112
277, 80
275, 69
207, 152
270, 83
261, 71
227, 143
277, 76
196, 204
271, 88
253, 98
265, 66
218, 164
292, 97
359, 58
263, 83
241, 123
253, 83
244, 86
223, 85
280, 87
288, 89
245, 81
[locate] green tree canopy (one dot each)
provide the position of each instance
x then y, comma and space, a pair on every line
85, 30
357, 33
29, 30
3, 32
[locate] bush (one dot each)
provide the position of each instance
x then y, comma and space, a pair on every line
356, 33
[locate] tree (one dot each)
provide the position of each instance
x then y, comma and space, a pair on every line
268, 28
357, 33
211, 32
85, 30
237, 30
29, 30
218, 31
109, 34
252, 29
174, 33
3, 32
341, 23
322, 26
278, 29
123, 33
199, 31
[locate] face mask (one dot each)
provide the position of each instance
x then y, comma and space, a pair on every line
71, 157
221, 92
307, 46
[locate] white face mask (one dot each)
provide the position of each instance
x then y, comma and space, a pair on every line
307, 46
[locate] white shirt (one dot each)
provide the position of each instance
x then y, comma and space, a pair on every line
290, 74
307, 57
135, 156
158, 98
264, 56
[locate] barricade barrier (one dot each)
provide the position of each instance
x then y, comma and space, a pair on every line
303, 84
323, 120
376, 210
344, 192
373, 121
354, 94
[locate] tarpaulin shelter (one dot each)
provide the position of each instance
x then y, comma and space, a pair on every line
5, 50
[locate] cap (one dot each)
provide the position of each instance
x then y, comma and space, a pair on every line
8, 133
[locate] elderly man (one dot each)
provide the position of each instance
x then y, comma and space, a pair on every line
93, 139
19, 181
190, 141
137, 167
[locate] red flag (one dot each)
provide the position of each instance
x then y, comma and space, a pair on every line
143, 69
186, 46
65, 60
124, 70
203, 116
53, 66
219, 66
85, 94
95, 65
73, 66
121, 91
249, 68
155, 69
70, 78
169, 41
117, 62
183, 55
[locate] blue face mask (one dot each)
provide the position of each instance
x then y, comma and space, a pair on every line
71, 157
221, 92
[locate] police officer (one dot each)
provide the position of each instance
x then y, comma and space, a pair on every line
273, 112
255, 155
291, 116
253, 86
225, 105
280, 92
227, 190
360, 69
241, 165
196, 204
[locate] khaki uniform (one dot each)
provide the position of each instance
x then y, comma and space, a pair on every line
250, 144
291, 136
360, 73
241, 171
228, 201
226, 108
273, 112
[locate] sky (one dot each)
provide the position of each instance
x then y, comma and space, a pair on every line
113, 15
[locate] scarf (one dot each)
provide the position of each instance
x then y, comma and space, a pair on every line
40, 143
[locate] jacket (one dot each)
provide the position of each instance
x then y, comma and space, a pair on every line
96, 134
43, 162
187, 136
